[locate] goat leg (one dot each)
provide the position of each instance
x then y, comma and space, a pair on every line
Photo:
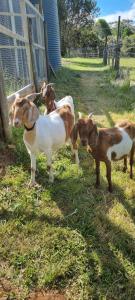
33, 169
131, 161
125, 164
49, 166
97, 173
108, 175
74, 150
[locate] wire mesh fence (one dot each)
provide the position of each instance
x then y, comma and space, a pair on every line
84, 52
15, 57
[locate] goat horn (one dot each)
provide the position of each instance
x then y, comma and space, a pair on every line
51, 83
80, 114
17, 95
90, 115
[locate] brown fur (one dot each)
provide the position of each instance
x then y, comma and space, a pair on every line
48, 95
23, 109
128, 126
68, 119
99, 141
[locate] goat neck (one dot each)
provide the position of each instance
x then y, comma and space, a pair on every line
93, 139
51, 106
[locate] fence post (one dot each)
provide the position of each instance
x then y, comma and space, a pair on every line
117, 53
32, 54
25, 29
46, 49
4, 120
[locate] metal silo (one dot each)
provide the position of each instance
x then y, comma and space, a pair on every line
51, 17
50, 10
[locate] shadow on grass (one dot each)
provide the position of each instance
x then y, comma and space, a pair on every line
109, 248
90, 64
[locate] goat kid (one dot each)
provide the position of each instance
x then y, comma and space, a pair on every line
42, 133
48, 95
106, 144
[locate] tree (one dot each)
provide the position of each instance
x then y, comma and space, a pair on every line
88, 38
128, 46
103, 30
73, 16
127, 28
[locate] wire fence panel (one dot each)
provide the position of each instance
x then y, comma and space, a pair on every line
84, 52
15, 55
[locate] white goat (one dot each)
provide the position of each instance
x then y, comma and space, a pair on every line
42, 133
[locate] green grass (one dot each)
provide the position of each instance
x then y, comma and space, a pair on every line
69, 236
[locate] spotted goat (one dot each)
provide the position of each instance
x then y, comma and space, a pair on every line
106, 144
42, 133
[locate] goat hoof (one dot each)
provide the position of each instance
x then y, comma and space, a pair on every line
131, 176
110, 190
31, 184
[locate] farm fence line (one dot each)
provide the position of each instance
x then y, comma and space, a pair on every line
15, 51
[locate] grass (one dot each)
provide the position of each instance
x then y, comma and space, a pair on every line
69, 236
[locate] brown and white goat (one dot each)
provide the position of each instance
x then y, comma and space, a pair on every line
106, 144
42, 133
48, 96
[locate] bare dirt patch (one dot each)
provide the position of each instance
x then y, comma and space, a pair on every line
46, 296
7, 157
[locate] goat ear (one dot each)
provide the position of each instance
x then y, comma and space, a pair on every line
11, 116
33, 113
44, 84
74, 134
32, 97
90, 115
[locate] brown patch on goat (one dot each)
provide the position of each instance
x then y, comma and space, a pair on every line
111, 136
68, 119
48, 95
129, 127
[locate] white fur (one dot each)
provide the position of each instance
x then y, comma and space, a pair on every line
68, 100
50, 136
123, 148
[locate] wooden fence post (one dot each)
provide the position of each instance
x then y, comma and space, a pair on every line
25, 29
5, 133
32, 54
117, 53
46, 50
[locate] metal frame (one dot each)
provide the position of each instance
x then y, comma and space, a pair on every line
25, 37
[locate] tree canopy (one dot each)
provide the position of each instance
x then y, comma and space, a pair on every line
73, 16
103, 28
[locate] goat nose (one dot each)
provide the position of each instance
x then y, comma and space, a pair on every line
16, 123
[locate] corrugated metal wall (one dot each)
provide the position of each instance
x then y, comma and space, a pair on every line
51, 17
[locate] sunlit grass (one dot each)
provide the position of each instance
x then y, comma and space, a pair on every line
69, 236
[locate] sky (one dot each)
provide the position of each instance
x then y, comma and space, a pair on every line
111, 9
